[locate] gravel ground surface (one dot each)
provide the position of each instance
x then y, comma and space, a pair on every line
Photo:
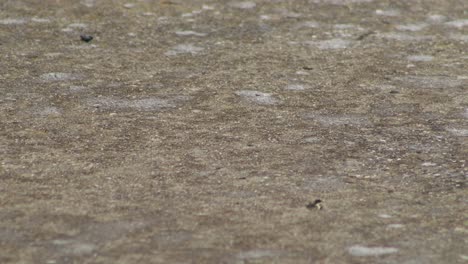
171, 131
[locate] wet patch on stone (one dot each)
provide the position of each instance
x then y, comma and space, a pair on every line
340, 120
60, 76
146, 104
184, 49
258, 97
429, 82
362, 251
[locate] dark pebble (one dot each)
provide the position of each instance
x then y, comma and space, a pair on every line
313, 204
86, 38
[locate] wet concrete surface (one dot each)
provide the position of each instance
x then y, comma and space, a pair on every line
199, 131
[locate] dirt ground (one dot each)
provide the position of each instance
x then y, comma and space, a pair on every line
206, 131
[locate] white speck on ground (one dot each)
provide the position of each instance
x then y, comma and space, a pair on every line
295, 87
404, 37
79, 249
258, 253
459, 37
412, 27
308, 24
12, 21
73, 26
76, 88
190, 33
311, 140
258, 97
362, 251
465, 114
429, 82
208, 7
147, 104
388, 12
77, 25
184, 48
436, 19
339, 120
243, 5
330, 44
88, 3
459, 132
302, 73
458, 23
346, 27
395, 226
340, 2
420, 58
40, 20
385, 216
59, 76
49, 111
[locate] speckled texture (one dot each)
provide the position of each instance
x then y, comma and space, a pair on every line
198, 131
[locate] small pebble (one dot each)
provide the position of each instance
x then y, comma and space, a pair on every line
86, 38
316, 204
